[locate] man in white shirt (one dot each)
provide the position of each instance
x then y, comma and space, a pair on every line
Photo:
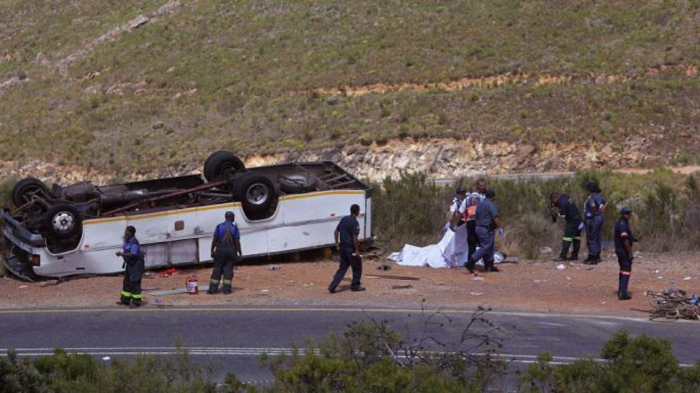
457, 208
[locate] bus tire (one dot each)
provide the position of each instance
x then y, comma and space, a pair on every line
62, 220
255, 192
222, 165
25, 188
295, 184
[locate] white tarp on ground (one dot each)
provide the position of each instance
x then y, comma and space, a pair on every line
451, 251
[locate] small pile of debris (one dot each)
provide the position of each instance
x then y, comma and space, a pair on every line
674, 304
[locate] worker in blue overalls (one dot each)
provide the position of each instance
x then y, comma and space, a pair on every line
487, 221
134, 266
562, 205
624, 238
594, 211
225, 250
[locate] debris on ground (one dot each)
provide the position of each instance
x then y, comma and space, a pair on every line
671, 282
476, 293
273, 267
392, 277
370, 256
23, 286
674, 304
384, 267
401, 286
49, 283
561, 267
202, 288
478, 279
687, 278
168, 272
546, 250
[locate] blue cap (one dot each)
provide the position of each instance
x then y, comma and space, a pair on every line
461, 191
625, 210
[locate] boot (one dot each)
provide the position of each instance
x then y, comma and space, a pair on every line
564, 250
574, 252
624, 282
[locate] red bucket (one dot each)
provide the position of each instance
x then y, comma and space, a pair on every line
192, 286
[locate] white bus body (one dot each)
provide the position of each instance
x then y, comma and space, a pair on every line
183, 236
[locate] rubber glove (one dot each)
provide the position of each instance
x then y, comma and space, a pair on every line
580, 226
500, 233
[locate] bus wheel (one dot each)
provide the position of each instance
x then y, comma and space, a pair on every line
23, 191
63, 220
222, 165
256, 192
296, 184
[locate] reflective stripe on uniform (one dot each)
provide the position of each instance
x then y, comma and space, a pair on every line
624, 273
126, 294
227, 282
136, 296
215, 282
568, 239
577, 237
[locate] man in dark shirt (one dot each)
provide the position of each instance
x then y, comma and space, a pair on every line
562, 205
225, 249
624, 238
134, 265
487, 221
346, 242
594, 211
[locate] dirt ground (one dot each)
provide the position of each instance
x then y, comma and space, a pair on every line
530, 286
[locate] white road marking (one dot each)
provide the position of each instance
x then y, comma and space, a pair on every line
252, 352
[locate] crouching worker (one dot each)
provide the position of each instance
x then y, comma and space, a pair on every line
623, 249
225, 249
134, 265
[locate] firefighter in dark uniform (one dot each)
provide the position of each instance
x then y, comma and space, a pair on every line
348, 245
562, 205
594, 210
624, 238
487, 221
226, 250
134, 266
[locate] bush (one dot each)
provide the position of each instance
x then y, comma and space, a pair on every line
641, 364
666, 206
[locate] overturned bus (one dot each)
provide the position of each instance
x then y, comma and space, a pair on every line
76, 230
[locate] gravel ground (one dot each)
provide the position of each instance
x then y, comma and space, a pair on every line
531, 286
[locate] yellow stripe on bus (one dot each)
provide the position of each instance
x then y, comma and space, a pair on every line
213, 207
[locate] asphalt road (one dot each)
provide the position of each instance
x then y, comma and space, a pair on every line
230, 340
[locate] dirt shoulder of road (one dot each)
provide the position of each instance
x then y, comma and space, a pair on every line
526, 286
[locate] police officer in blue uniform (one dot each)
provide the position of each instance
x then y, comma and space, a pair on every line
594, 211
562, 205
624, 238
226, 250
473, 200
487, 221
348, 245
134, 266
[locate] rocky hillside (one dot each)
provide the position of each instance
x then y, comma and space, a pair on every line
140, 88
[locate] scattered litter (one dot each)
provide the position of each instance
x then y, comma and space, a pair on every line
106, 358
149, 275
23, 286
478, 279
603, 302
401, 286
159, 302
660, 277
384, 267
568, 278
168, 272
265, 290
477, 293
441, 283
48, 283
656, 271
546, 250
392, 277
590, 268
202, 288
687, 278
671, 282
273, 267
539, 281
561, 267
673, 304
